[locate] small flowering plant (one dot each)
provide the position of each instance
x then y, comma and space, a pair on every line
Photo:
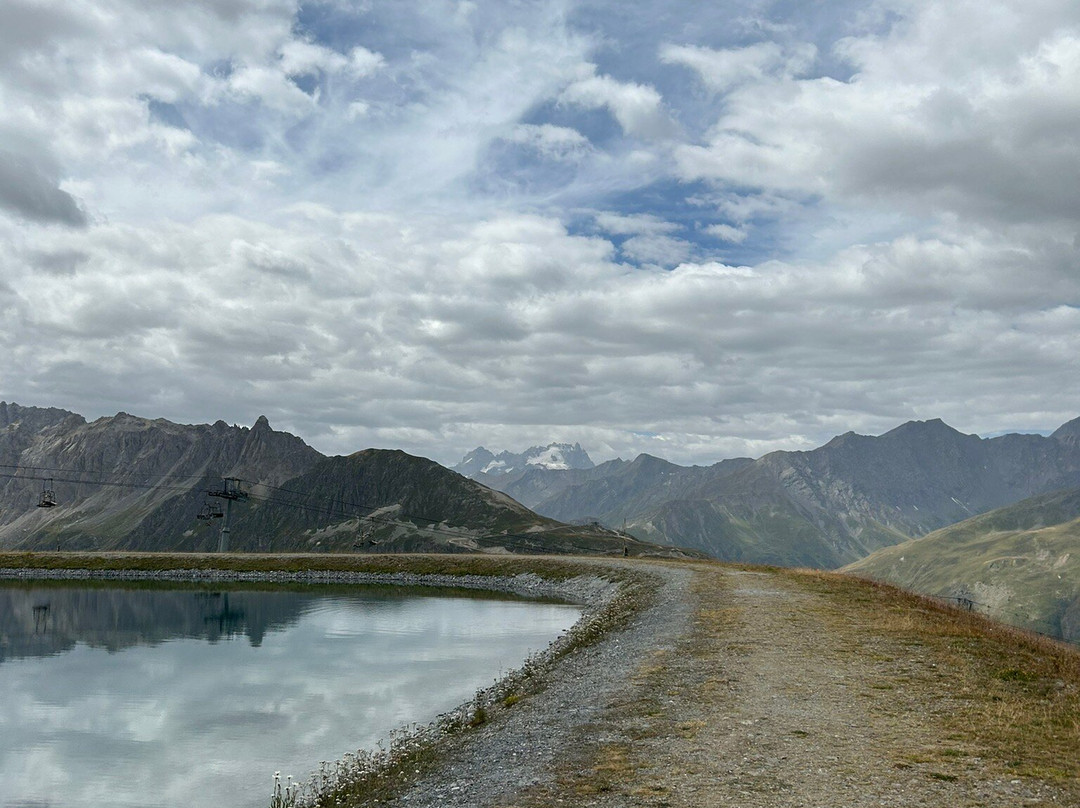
284, 796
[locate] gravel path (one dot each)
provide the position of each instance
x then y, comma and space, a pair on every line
797, 711
734, 688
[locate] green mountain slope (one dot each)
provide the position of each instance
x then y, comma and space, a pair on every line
378, 500
1019, 564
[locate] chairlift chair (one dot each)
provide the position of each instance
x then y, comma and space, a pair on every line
48, 496
210, 511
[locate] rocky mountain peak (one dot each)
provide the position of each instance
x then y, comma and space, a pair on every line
1068, 432
474, 462
31, 419
934, 428
844, 440
649, 461
554, 456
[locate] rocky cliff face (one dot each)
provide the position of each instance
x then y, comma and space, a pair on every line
126, 481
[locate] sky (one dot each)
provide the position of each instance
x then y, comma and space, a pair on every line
697, 230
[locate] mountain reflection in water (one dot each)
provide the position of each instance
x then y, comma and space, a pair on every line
51, 620
149, 696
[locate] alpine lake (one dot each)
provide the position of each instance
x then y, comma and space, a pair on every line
163, 696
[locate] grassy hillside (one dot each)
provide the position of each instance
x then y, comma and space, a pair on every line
1019, 564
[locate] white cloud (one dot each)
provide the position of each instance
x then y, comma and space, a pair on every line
725, 232
930, 121
363, 62
663, 251
636, 224
637, 107
272, 88
723, 69
560, 142
300, 57
425, 327
30, 187
328, 226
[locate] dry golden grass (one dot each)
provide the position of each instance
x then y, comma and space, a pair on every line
1010, 696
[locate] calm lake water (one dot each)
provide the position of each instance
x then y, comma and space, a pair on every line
167, 697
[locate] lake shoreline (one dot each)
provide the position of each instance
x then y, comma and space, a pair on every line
580, 591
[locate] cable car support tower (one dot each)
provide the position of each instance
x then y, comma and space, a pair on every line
230, 492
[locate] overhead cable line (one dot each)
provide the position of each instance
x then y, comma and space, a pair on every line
107, 483
342, 507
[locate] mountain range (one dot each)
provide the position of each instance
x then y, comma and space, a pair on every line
125, 482
823, 508
555, 456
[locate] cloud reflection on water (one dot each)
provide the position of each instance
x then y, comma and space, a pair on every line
207, 719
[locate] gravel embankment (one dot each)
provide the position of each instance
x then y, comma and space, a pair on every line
586, 591
526, 746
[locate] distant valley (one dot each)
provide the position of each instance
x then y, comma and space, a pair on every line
1019, 564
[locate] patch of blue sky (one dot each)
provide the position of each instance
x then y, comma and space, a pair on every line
406, 29
237, 126
690, 208
597, 125
219, 68
625, 31
168, 114
515, 170
628, 43
308, 83
343, 26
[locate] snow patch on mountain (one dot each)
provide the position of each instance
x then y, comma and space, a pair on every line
554, 456
550, 458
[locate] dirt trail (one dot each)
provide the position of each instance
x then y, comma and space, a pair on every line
782, 701
743, 688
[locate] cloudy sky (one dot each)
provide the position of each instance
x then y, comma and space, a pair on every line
693, 229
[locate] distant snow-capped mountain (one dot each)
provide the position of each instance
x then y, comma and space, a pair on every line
556, 456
